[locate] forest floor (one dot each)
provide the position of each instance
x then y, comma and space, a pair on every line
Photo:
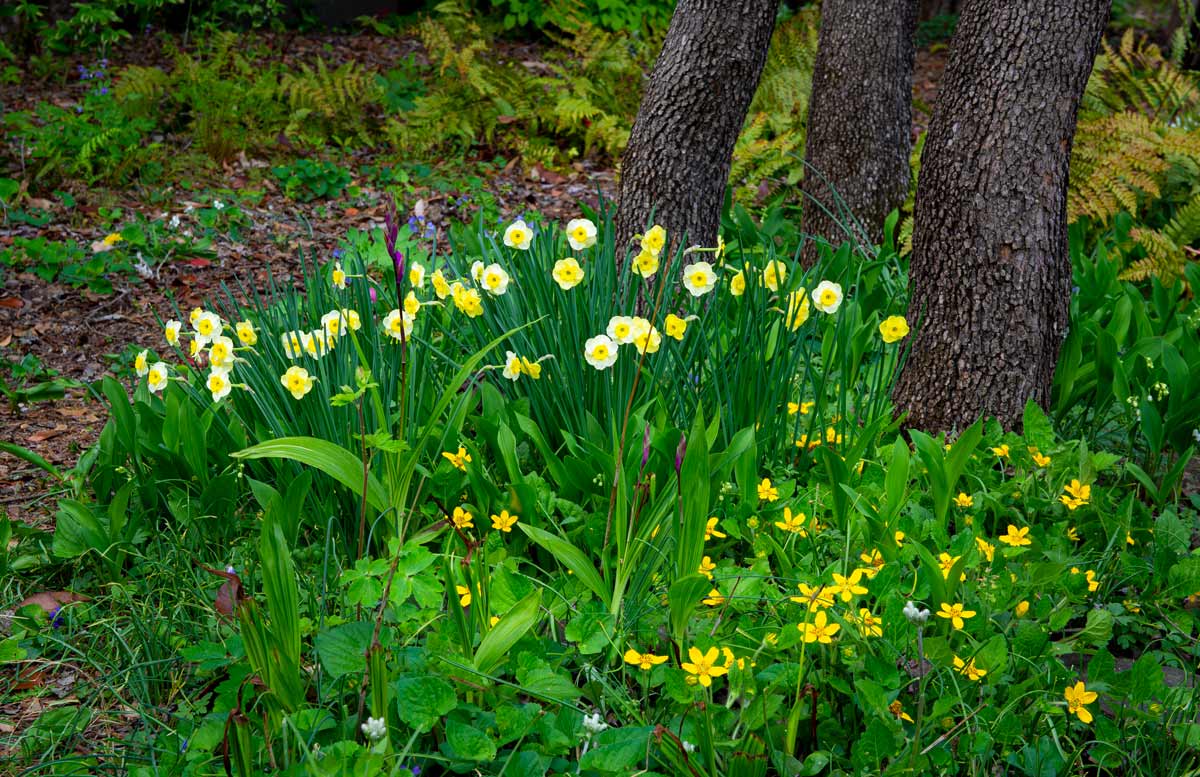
79, 334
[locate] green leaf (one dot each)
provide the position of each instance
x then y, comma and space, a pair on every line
695, 483
30, 457
343, 649
422, 701
334, 460
1037, 428
617, 750
77, 530
684, 595
513, 625
469, 743
570, 557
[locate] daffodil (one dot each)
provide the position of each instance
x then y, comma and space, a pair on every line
156, 377
416, 276
621, 329
703, 666
1016, 537
297, 381
208, 325
504, 522
218, 384
1078, 697
531, 368
293, 343
955, 613
820, 630
318, 343
458, 460
338, 277
827, 297
221, 353
246, 333
477, 270
518, 235
412, 305
495, 280
675, 326
171, 332
643, 661
737, 284
567, 273
893, 329
512, 366
654, 240
141, 364
968, 669
600, 352
581, 234
467, 300
647, 341
645, 264
797, 309
767, 492
699, 279
440, 287
774, 274
398, 325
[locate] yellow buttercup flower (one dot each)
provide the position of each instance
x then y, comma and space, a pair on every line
986, 548
703, 666
955, 614
874, 559
897, 709
706, 567
969, 670
1016, 537
710, 529
1022, 609
803, 408
793, 523
946, 562
814, 598
714, 599
869, 625
767, 492
820, 630
297, 381
464, 595
964, 500
504, 521
1072, 534
458, 460
462, 519
893, 329
1001, 451
643, 661
1038, 458
847, 586
1075, 494
1078, 697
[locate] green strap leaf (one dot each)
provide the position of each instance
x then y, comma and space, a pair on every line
334, 460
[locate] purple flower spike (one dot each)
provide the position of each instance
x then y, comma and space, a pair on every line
679, 451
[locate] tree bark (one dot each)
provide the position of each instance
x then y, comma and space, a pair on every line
676, 165
859, 121
990, 276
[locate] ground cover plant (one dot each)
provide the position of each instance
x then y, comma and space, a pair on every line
361, 445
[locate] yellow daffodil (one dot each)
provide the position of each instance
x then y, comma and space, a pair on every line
338, 277
643, 661
495, 280
567, 273
458, 460
675, 326
893, 329
737, 284
220, 355
208, 326
820, 630
531, 368
171, 332
398, 325
703, 666
767, 492
955, 614
654, 240
774, 274
504, 522
297, 381
440, 287
1078, 697
797, 309
968, 669
1016, 537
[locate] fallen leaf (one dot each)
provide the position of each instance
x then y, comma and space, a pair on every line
229, 595
47, 434
52, 600
12, 303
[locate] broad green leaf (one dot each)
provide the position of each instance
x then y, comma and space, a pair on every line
334, 460
684, 595
570, 557
469, 743
422, 701
513, 625
343, 649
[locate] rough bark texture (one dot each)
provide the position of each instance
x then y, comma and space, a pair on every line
990, 275
859, 121
677, 162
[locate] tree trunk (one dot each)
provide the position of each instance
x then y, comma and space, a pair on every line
676, 165
990, 275
859, 121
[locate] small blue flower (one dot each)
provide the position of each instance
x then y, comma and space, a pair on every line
56, 618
